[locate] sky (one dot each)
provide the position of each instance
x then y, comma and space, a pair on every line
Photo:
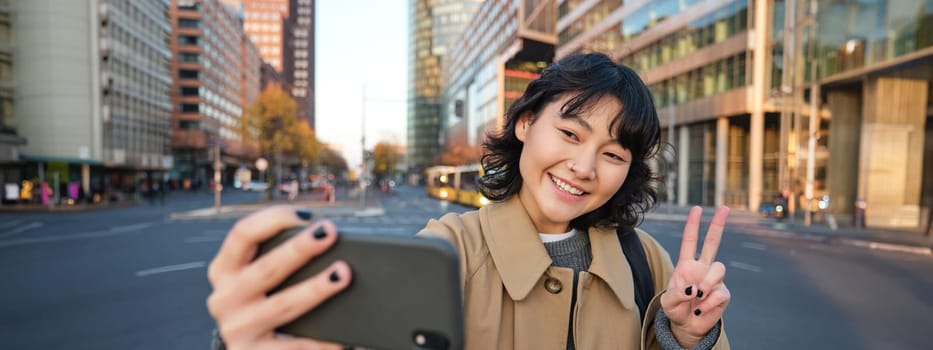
361, 42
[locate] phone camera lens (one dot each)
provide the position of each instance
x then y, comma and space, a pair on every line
430, 340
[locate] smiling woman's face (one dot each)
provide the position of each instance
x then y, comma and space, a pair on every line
570, 164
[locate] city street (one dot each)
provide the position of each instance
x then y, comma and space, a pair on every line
134, 278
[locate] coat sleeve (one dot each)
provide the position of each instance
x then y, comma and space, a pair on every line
461, 230
661, 269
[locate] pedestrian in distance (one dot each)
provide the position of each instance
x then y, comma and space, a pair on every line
567, 175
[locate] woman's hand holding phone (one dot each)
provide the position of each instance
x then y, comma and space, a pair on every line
246, 315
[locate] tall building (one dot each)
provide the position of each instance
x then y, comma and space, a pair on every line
217, 72
434, 28
299, 56
283, 30
501, 52
264, 22
10, 141
92, 82
735, 94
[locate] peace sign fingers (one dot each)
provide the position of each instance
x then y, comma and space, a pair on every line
688, 244
714, 235
690, 240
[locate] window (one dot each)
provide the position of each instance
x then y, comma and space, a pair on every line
189, 23
189, 91
188, 40
189, 108
189, 125
189, 57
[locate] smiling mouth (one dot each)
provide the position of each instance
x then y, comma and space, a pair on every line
563, 186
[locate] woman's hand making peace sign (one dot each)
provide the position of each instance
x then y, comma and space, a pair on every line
696, 296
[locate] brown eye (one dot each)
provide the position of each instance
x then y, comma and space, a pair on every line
614, 156
569, 134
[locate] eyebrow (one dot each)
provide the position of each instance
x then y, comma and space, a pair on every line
579, 120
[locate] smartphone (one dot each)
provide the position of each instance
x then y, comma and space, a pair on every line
405, 293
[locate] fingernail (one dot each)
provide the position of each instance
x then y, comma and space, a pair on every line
689, 290
304, 214
320, 233
695, 312
334, 277
699, 293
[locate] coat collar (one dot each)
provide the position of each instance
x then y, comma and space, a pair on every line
521, 258
514, 246
610, 265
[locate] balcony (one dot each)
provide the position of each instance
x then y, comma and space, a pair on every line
103, 13
105, 49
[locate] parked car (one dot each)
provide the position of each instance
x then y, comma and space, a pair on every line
255, 186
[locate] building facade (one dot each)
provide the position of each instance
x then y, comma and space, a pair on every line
10, 141
434, 28
91, 94
264, 23
217, 72
299, 57
501, 51
737, 81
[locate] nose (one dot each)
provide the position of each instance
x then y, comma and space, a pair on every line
583, 168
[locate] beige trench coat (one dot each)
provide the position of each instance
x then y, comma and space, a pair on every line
509, 305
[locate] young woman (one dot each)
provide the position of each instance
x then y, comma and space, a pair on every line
542, 266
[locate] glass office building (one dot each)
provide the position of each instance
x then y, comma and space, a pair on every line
434, 28
736, 81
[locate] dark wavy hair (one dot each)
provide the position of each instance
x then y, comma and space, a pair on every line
589, 77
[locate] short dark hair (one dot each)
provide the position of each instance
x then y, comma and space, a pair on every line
590, 77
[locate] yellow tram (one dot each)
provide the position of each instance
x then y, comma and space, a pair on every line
459, 184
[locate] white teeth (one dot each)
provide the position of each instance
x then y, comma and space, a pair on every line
566, 187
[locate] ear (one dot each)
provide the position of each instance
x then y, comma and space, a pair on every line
521, 126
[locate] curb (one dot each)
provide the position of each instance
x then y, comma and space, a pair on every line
782, 232
236, 213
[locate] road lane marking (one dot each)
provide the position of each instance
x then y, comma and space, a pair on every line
130, 228
744, 266
116, 231
10, 223
21, 229
171, 268
755, 246
203, 239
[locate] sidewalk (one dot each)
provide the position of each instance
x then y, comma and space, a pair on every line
38, 208
908, 241
310, 200
744, 221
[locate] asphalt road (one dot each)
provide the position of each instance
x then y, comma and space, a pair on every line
134, 279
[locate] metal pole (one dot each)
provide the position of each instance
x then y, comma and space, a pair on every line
363, 149
671, 117
55, 192
814, 124
218, 166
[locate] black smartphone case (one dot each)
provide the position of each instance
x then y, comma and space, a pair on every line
405, 293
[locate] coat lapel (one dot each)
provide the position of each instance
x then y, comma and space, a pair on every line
514, 246
610, 265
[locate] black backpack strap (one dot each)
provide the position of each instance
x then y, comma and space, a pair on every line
638, 261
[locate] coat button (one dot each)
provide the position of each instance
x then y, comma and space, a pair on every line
552, 285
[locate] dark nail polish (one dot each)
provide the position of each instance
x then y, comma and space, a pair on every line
320, 233
699, 293
304, 214
697, 312
334, 277
689, 290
